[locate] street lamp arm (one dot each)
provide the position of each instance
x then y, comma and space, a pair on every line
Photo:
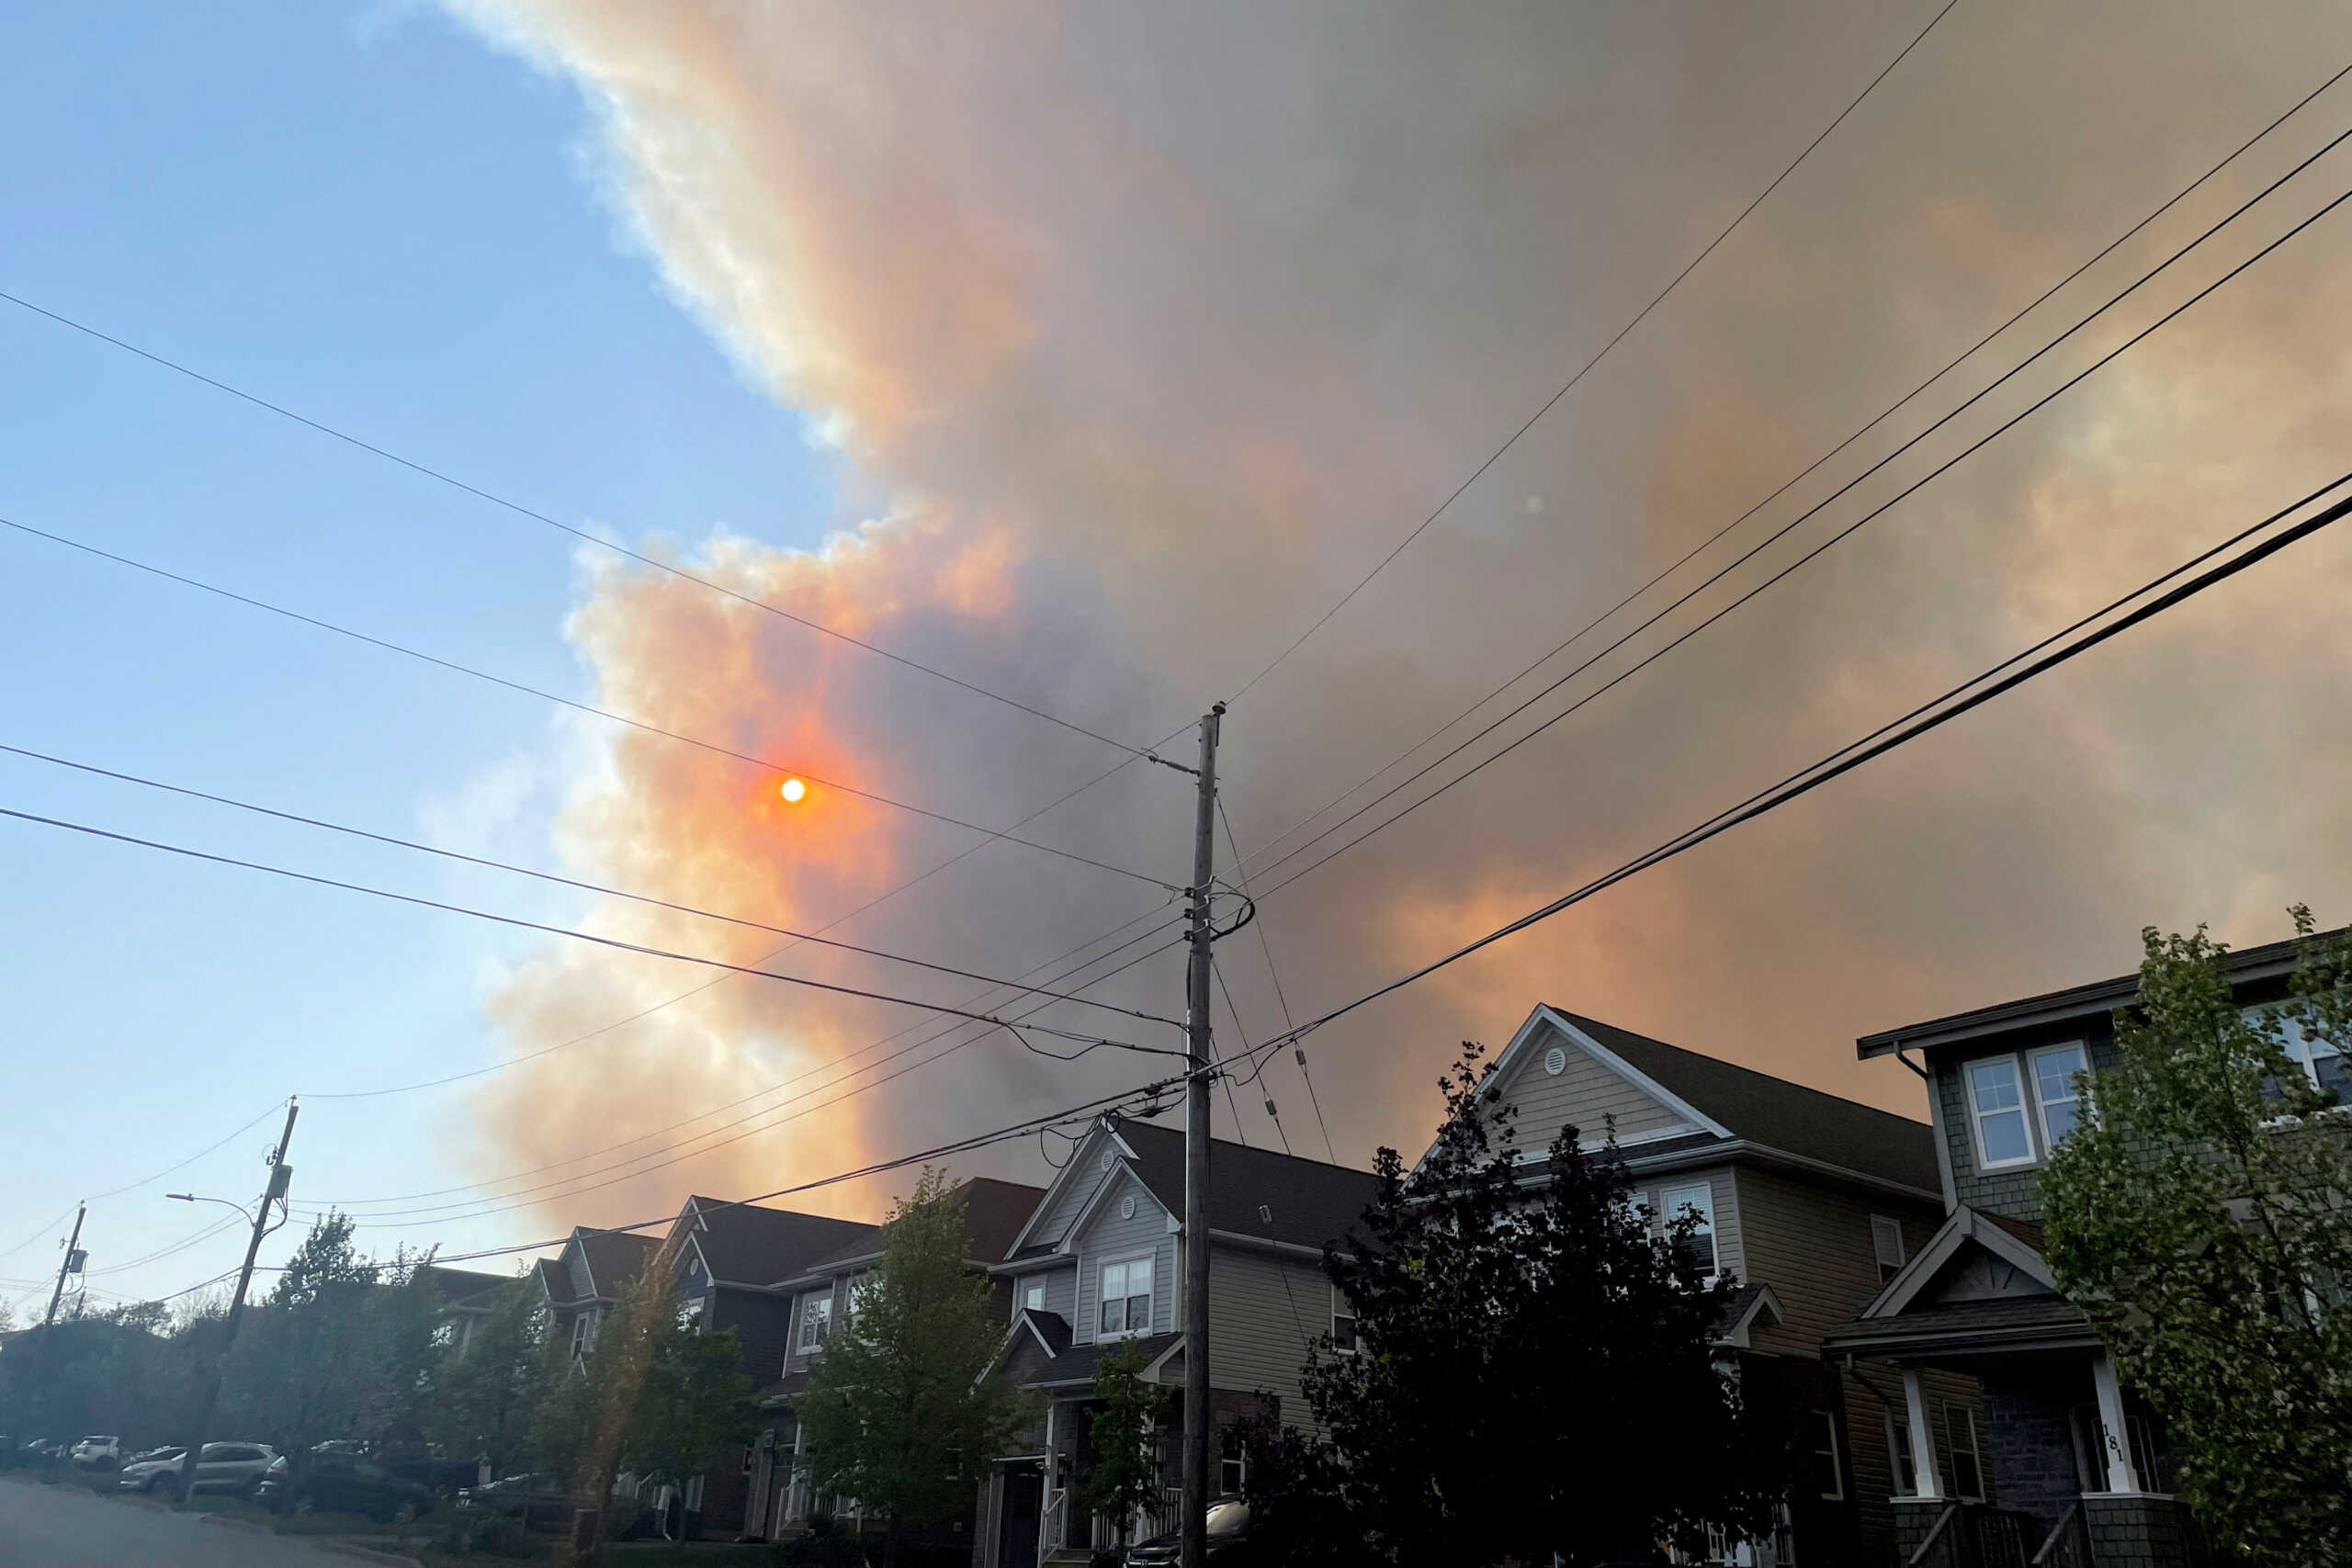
199, 1198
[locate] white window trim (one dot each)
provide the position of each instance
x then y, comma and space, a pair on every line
2027, 1116
810, 1317
2299, 1046
1828, 1418
1126, 1330
1898, 1436
1975, 1451
1883, 1227
2033, 1081
1339, 1302
1672, 1201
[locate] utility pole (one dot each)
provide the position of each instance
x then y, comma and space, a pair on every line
1195, 1525
70, 1264
280, 1174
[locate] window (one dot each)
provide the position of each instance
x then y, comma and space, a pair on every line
1343, 1323
1997, 1107
1886, 1244
2055, 1069
1827, 1477
860, 1286
1898, 1448
1967, 1469
1700, 1245
1125, 1303
2322, 1063
1033, 1294
1228, 1477
816, 1320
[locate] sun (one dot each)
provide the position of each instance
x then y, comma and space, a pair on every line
793, 791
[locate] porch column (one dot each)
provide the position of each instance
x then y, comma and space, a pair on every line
1923, 1440
2121, 1474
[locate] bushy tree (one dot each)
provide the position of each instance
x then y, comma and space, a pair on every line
485, 1399
696, 1403
2202, 1215
1528, 1344
898, 1413
1130, 1427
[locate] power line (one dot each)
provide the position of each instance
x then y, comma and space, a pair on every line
1818, 549
764, 763
1282, 998
1570, 384
644, 949
209, 1148
569, 881
2042, 657
600, 542
1810, 468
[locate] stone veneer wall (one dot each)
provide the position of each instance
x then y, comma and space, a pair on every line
2143, 1532
2029, 1440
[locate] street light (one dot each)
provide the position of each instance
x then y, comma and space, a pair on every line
196, 1198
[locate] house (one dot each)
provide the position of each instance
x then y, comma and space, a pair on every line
1099, 1264
584, 1281
734, 1263
819, 1295
2077, 1465
1809, 1201
466, 1298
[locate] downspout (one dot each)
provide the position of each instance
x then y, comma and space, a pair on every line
1936, 1121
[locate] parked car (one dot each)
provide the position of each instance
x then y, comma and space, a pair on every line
534, 1499
1229, 1534
98, 1451
333, 1480
221, 1467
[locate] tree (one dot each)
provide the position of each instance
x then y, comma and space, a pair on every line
485, 1399
696, 1405
1528, 1342
897, 1413
2199, 1215
1130, 1423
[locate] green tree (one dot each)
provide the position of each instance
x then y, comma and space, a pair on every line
485, 1399
1528, 1342
1130, 1427
897, 1413
696, 1403
2199, 1214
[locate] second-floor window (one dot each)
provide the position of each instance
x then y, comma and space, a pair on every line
861, 1287
1127, 1297
1033, 1294
1700, 1245
816, 1320
1343, 1323
1886, 1243
2023, 1106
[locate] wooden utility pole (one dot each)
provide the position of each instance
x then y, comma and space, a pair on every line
280, 1175
70, 1264
1200, 1060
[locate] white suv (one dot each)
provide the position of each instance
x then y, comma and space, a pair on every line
97, 1450
221, 1467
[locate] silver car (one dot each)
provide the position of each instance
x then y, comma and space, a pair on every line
221, 1467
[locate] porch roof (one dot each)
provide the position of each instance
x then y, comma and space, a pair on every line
1974, 1328
1077, 1364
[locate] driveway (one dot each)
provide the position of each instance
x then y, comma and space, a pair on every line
65, 1526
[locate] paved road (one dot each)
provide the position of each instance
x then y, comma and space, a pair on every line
65, 1526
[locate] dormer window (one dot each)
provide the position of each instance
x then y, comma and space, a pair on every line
816, 1320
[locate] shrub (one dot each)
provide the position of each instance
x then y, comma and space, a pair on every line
826, 1545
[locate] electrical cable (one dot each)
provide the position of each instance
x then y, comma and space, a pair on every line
571, 881
1810, 468
1815, 551
764, 763
1281, 997
1571, 383
643, 949
1979, 689
582, 534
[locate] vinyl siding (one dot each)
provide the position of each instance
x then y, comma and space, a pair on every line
1731, 1254
575, 1264
763, 1324
1108, 1238
1061, 1292
1811, 1242
1585, 1094
1072, 1200
1263, 1309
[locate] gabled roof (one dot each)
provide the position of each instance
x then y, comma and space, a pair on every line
746, 1245
464, 1288
1979, 1287
1760, 1109
1255, 1193
994, 1213
614, 1258
554, 1279
1077, 1364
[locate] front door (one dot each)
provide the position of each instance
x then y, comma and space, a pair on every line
1024, 1506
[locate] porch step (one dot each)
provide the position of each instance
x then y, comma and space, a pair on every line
1069, 1557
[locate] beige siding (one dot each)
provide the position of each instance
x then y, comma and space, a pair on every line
1811, 1242
1263, 1310
1109, 1237
1731, 1250
1585, 1094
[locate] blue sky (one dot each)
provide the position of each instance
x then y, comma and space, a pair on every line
363, 214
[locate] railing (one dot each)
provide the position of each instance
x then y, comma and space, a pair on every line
1969, 1535
2069, 1545
1053, 1524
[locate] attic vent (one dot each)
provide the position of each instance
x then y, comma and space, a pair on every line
1127, 1207
1555, 1061
1109, 1159
1265, 1213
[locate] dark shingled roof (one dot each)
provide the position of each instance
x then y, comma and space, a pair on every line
554, 1279
1310, 1203
614, 1257
746, 1245
457, 1285
1077, 1364
994, 1213
1774, 1112
1987, 1324
1052, 1327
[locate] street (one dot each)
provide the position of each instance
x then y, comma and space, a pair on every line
65, 1527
